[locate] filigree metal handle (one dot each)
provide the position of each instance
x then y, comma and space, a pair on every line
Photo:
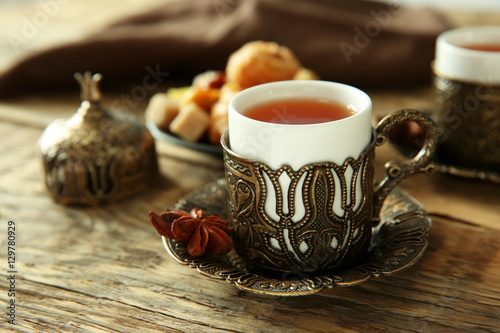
396, 171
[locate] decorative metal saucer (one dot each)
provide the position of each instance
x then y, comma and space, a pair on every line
486, 175
397, 244
447, 168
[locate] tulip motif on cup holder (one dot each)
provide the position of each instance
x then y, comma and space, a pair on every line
305, 221
319, 218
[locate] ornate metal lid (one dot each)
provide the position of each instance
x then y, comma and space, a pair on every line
97, 156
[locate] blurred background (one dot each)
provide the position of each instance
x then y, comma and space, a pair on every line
482, 5
27, 26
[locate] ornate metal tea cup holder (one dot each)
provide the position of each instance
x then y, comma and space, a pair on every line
397, 243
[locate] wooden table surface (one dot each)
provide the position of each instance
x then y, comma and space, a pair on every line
86, 269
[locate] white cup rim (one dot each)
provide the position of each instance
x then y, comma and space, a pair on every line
299, 144
454, 61
364, 106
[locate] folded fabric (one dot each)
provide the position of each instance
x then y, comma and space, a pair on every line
367, 44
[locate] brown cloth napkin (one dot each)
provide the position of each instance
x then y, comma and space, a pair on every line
367, 44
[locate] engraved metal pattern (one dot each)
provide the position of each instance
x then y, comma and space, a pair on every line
468, 117
398, 243
97, 156
421, 163
322, 238
325, 238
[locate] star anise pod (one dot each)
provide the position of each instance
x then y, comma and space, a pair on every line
201, 233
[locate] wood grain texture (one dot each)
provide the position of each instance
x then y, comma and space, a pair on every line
104, 269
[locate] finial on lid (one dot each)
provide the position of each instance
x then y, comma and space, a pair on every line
89, 86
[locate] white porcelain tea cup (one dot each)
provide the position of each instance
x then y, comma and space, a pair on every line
297, 145
454, 60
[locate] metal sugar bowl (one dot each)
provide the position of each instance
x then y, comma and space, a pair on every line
98, 155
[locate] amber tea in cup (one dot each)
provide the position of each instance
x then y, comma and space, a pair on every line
483, 47
300, 111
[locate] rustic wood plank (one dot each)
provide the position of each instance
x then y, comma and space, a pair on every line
104, 268
452, 195
140, 286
